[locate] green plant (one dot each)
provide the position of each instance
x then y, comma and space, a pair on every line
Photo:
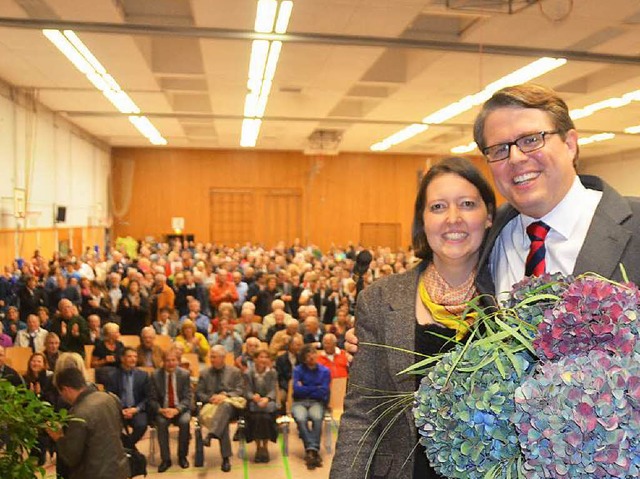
23, 416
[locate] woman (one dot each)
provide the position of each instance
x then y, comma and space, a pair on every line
193, 341
261, 381
133, 310
38, 379
52, 349
107, 353
417, 310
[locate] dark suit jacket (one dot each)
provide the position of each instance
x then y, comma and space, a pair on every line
284, 369
159, 387
141, 387
611, 239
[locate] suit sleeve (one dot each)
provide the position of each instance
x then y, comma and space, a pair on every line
354, 446
185, 393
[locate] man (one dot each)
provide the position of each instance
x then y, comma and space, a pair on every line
7, 372
95, 330
227, 337
71, 328
12, 323
222, 290
278, 326
171, 397
530, 141
201, 321
313, 334
284, 367
333, 357
242, 289
90, 446
216, 385
149, 353
326, 300
164, 325
33, 336
282, 338
247, 327
310, 396
270, 319
131, 385
164, 296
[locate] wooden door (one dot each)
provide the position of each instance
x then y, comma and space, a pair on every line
373, 235
231, 216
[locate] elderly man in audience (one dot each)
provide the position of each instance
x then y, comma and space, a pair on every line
218, 385
333, 357
223, 290
244, 362
269, 320
242, 288
12, 323
282, 338
7, 372
284, 367
279, 325
95, 329
164, 325
313, 333
201, 321
247, 327
71, 328
171, 398
52, 350
163, 294
149, 353
33, 336
227, 337
310, 397
131, 385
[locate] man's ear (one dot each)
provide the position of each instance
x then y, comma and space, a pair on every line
571, 140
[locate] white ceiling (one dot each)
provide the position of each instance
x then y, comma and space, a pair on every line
367, 68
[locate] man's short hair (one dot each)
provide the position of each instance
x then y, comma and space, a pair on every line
70, 377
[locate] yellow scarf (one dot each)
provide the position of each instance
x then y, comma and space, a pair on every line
453, 301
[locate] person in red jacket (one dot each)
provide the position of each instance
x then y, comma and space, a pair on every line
333, 357
223, 289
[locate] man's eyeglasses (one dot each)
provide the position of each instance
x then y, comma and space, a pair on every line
526, 144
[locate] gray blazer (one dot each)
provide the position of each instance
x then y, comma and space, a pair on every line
385, 315
612, 238
231, 383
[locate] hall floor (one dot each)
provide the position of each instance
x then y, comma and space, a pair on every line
280, 467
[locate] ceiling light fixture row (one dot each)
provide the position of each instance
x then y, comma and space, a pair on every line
81, 57
271, 16
528, 72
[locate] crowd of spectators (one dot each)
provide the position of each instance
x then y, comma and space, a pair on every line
258, 306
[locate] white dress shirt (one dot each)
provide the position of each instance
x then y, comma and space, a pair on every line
569, 222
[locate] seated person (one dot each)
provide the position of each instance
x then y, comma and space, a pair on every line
38, 379
164, 325
310, 396
278, 326
131, 385
284, 367
171, 398
247, 327
217, 384
201, 321
95, 330
244, 362
312, 332
149, 354
334, 358
193, 341
261, 384
225, 311
281, 339
52, 350
107, 353
228, 338
33, 336
5, 339
12, 323
269, 320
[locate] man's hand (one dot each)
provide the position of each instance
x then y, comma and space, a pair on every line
75, 330
169, 412
351, 343
218, 398
129, 412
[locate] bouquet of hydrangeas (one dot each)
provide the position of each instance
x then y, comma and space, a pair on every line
547, 387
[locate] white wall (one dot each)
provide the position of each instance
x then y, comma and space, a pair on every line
68, 167
622, 171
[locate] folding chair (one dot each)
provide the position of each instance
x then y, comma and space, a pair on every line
333, 413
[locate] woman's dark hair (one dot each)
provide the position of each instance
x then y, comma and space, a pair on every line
464, 169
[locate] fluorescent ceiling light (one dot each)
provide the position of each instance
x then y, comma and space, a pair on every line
614, 102
633, 129
265, 16
82, 58
283, 16
263, 65
400, 136
460, 150
595, 138
522, 75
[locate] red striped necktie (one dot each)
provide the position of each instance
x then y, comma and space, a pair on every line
535, 265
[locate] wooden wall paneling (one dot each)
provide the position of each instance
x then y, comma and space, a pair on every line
283, 219
373, 235
77, 243
231, 216
7, 247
